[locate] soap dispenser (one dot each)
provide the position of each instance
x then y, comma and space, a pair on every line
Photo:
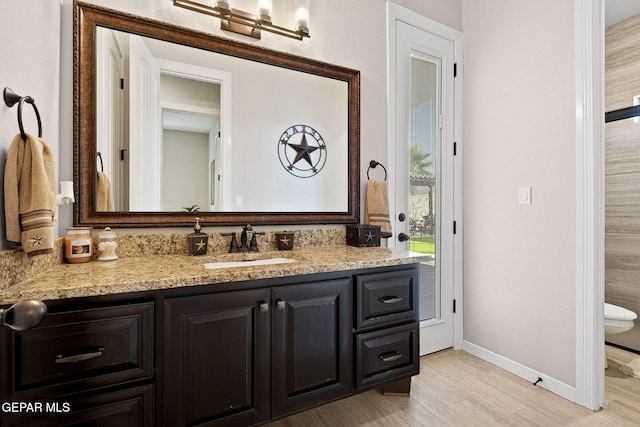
198, 241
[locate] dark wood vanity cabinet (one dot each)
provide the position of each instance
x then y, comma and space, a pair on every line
233, 354
311, 347
217, 361
60, 365
241, 358
386, 340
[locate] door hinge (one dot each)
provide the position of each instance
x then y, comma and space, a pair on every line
455, 148
454, 306
121, 83
454, 227
455, 69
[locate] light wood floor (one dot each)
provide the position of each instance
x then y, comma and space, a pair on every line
455, 388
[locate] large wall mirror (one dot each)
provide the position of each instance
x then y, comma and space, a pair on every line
169, 121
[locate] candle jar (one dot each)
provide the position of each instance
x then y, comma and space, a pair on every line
78, 245
107, 245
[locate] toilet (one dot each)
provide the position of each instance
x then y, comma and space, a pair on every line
616, 320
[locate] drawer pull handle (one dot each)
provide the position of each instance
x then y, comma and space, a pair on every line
79, 357
390, 300
390, 357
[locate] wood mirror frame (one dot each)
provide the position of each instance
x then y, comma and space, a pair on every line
86, 18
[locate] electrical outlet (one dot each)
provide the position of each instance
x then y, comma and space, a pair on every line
239, 201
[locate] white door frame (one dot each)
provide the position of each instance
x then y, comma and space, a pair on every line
589, 69
223, 78
399, 13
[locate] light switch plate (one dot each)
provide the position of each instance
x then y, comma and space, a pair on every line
524, 195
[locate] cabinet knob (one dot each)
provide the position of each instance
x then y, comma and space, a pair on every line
23, 315
281, 304
264, 307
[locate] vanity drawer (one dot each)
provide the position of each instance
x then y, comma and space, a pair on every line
387, 354
130, 407
78, 350
387, 297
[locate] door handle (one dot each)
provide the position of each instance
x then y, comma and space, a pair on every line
403, 237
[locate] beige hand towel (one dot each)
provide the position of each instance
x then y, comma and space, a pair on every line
30, 195
632, 368
104, 202
377, 207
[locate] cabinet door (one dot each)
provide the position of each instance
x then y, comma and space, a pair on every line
311, 345
216, 367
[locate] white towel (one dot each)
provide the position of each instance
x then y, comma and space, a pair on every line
30, 195
377, 207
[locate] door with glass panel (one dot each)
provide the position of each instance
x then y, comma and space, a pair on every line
424, 173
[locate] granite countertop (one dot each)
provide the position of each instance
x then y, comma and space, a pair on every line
153, 272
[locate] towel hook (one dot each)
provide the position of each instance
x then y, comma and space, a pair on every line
373, 164
11, 98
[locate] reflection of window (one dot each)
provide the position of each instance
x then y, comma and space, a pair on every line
636, 101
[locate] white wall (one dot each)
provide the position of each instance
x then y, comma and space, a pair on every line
182, 183
519, 273
30, 52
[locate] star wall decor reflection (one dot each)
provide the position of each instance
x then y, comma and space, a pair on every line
302, 142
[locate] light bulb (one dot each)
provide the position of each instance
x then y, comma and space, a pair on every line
264, 10
223, 5
302, 19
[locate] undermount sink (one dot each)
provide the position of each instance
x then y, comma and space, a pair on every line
247, 263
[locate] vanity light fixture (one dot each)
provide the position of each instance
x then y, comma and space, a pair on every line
251, 24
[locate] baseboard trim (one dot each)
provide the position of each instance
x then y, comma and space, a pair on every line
531, 375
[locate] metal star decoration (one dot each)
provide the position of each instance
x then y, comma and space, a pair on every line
302, 142
303, 150
285, 241
200, 245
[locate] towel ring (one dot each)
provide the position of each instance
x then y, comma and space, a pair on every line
101, 164
373, 164
11, 98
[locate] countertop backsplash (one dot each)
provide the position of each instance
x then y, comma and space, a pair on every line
16, 266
